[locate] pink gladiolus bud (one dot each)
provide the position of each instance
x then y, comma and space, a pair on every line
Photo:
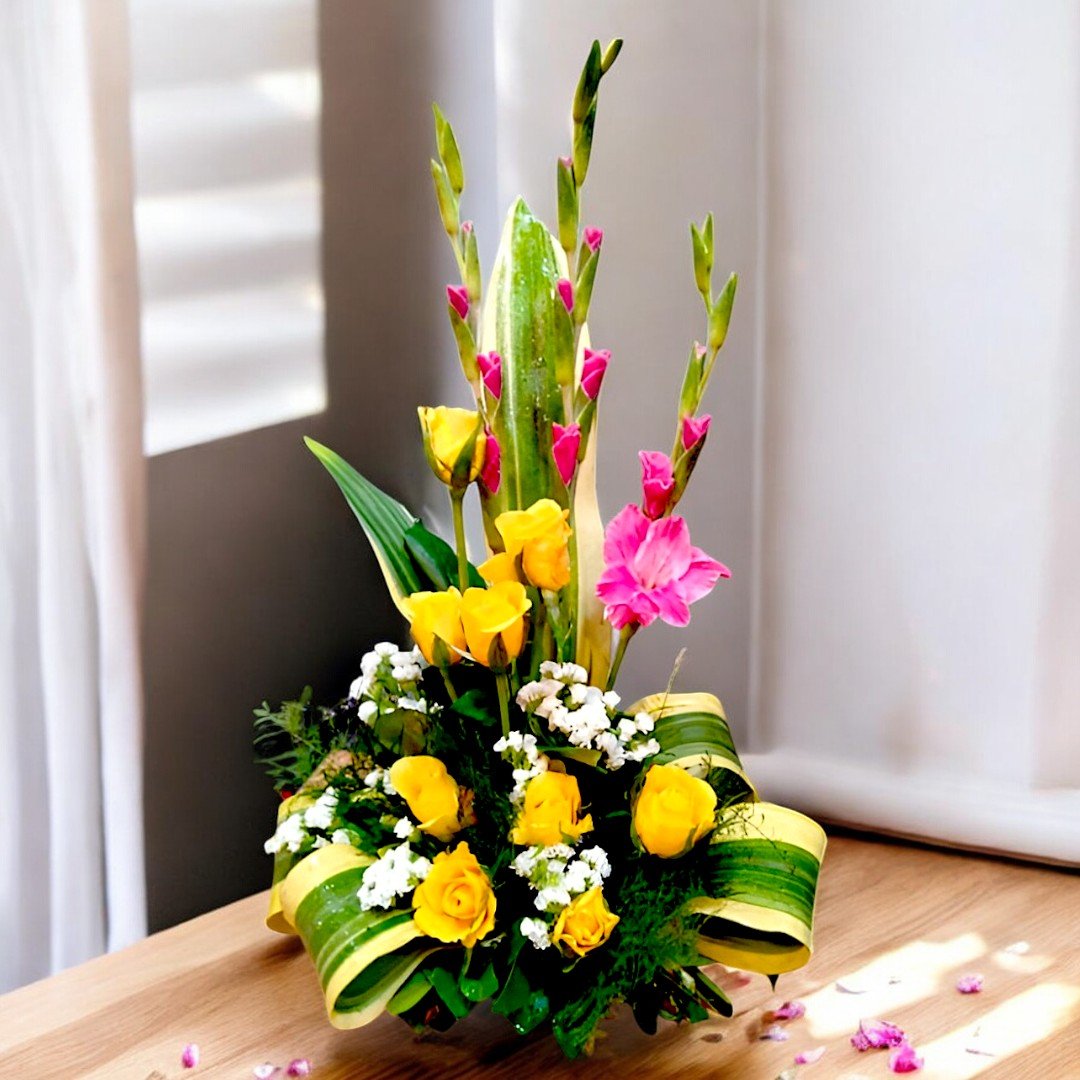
699, 350
566, 292
657, 482
491, 372
566, 162
565, 444
694, 429
458, 296
190, 1055
593, 237
592, 371
466, 228
491, 473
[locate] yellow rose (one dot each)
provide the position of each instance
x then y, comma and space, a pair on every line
455, 902
501, 567
495, 613
550, 812
673, 811
433, 795
447, 433
584, 923
437, 615
540, 536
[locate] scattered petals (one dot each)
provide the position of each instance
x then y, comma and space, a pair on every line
775, 1033
808, 1057
970, 984
790, 1010
852, 984
905, 1060
265, 1071
190, 1056
1017, 948
299, 1067
877, 1034
977, 1044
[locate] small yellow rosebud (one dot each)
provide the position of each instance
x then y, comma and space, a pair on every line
495, 617
500, 567
455, 902
540, 535
673, 811
454, 442
437, 615
585, 923
551, 811
432, 794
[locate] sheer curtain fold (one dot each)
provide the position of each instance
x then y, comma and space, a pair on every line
71, 491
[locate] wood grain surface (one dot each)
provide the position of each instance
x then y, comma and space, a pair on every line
899, 923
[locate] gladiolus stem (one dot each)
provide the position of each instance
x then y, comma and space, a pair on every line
457, 499
625, 634
502, 682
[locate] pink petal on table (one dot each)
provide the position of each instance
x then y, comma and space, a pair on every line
876, 1035
970, 984
808, 1057
790, 1010
905, 1060
775, 1034
299, 1067
189, 1056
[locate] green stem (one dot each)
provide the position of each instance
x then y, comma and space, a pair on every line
503, 685
625, 634
445, 673
457, 499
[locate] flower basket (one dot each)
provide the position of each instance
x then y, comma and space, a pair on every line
482, 818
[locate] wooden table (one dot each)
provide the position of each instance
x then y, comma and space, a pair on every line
900, 922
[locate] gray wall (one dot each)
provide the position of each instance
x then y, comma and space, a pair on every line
259, 579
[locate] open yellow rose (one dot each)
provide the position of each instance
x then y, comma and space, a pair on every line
437, 615
673, 811
550, 812
584, 923
455, 902
496, 613
447, 433
540, 535
433, 795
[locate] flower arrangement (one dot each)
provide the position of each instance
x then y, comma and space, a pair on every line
482, 818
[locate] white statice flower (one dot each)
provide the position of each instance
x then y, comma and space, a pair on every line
385, 649
321, 814
389, 680
520, 750
359, 687
627, 728
404, 828
341, 836
597, 858
536, 691
558, 873
536, 932
644, 721
642, 750
394, 874
413, 704
552, 898
565, 673
611, 700
320, 842
379, 780
289, 834
368, 711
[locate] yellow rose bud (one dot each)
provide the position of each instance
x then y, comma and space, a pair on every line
501, 567
437, 615
448, 435
584, 923
673, 811
455, 902
495, 616
433, 795
540, 535
550, 813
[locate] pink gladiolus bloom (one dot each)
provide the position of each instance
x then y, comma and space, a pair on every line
694, 429
491, 372
970, 984
808, 1057
877, 1034
593, 237
190, 1055
491, 473
652, 570
905, 1060
566, 292
790, 1010
657, 482
458, 296
592, 371
565, 444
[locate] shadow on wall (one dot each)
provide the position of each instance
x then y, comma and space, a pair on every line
259, 578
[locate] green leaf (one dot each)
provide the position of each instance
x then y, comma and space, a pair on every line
444, 196
446, 987
480, 989
448, 151
411, 994
384, 520
720, 316
475, 705
435, 559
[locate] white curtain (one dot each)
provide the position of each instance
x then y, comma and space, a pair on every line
71, 491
